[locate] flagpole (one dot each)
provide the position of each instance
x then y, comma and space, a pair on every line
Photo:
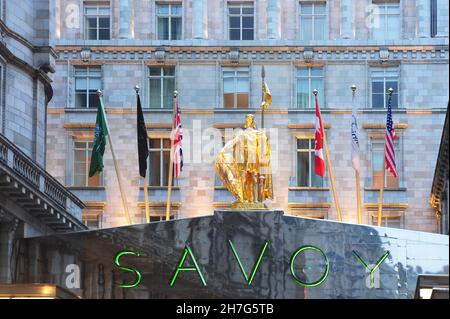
116, 166
169, 189
358, 186
263, 75
147, 210
383, 175
330, 171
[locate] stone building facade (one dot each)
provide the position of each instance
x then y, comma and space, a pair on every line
212, 53
32, 202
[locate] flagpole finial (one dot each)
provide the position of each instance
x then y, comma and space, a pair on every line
354, 88
315, 92
99, 93
137, 89
175, 94
390, 91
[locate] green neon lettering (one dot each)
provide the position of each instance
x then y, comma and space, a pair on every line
187, 250
371, 271
255, 267
129, 269
322, 278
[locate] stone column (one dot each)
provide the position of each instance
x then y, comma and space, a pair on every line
423, 15
125, 19
346, 19
273, 19
199, 19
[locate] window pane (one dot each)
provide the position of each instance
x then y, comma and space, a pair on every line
80, 84
228, 85
80, 99
176, 10
319, 9
228, 100
163, 28
302, 144
302, 169
377, 87
166, 159
155, 71
169, 71
235, 34
316, 71
242, 100
79, 180
92, 34
242, 85
392, 84
234, 10
319, 28
155, 93
247, 22
93, 99
302, 93
103, 11
247, 34
155, 143
394, 102
90, 11
163, 9
176, 29
378, 100
235, 22
302, 72
247, 10
103, 23
306, 8
316, 181
91, 23
168, 88
154, 168
306, 28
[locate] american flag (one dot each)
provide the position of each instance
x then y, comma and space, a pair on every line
318, 154
177, 138
389, 151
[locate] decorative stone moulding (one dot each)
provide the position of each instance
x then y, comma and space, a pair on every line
160, 55
85, 54
384, 55
308, 55
233, 55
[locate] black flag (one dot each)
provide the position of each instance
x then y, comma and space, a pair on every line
142, 139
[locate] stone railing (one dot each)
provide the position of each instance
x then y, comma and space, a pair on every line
34, 175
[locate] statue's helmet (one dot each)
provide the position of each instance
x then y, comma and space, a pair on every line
250, 121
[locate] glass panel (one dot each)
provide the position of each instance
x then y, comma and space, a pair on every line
247, 34
166, 144
377, 87
80, 99
228, 100
247, 10
93, 99
319, 28
163, 28
155, 71
103, 23
242, 85
92, 34
316, 71
392, 84
235, 22
302, 169
166, 159
391, 181
302, 144
90, 11
235, 34
103, 11
306, 28
319, 9
155, 93
176, 29
302, 93
163, 9
154, 169
247, 22
234, 10
378, 100
169, 71
91, 22
80, 84
377, 162
176, 9
228, 85
302, 72
155, 143
79, 180
242, 100
103, 34
316, 180
168, 88
306, 9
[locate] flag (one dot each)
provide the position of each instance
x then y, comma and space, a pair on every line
267, 97
177, 138
389, 150
355, 140
101, 132
142, 139
319, 134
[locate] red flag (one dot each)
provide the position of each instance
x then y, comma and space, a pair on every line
318, 154
177, 147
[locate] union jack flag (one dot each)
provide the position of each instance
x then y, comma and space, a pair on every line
389, 150
177, 138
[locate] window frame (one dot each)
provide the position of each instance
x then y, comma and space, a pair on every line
169, 16
309, 77
385, 218
87, 157
98, 16
236, 76
385, 88
383, 12
161, 78
88, 69
90, 213
313, 18
380, 142
310, 151
161, 151
241, 6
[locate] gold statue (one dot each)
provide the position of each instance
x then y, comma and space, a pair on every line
243, 165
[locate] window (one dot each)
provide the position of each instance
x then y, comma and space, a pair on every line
306, 176
97, 23
81, 162
434, 16
382, 80
377, 165
159, 161
236, 87
387, 22
87, 81
313, 21
241, 21
161, 86
309, 79
393, 221
169, 19
92, 219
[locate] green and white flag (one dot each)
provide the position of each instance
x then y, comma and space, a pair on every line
101, 132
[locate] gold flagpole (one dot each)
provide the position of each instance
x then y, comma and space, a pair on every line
358, 186
330, 171
147, 210
169, 189
383, 175
116, 166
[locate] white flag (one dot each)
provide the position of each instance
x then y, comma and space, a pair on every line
355, 140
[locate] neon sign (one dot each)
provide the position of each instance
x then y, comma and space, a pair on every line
188, 252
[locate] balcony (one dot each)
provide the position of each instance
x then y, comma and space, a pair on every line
33, 195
